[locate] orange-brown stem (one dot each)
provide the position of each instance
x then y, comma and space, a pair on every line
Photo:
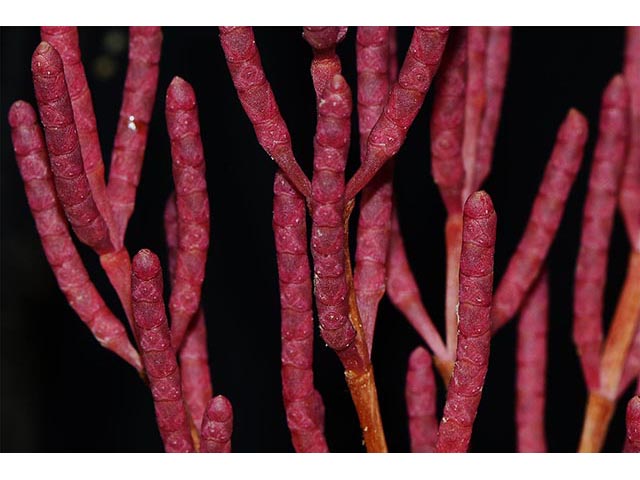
596, 423
601, 404
361, 383
453, 235
445, 369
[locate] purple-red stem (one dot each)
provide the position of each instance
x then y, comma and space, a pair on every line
474, 326
420, 393
531, 368
303, 404
158, 355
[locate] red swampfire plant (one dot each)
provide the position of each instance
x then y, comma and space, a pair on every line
465, 72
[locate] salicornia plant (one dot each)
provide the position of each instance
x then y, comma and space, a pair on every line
334, 271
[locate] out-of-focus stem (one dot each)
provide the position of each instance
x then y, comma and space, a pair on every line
117, 266
453, 234
601, 403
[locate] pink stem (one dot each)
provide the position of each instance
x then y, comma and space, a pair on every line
447, 123
65, 41
374, 222
498, 52
403, 103
194, 355
474, 326
325, 64
327, 234
72, 185
217, 426
259, 102
599, 210
420, 392
544, 221
140, 87
531, 368
192, 203
474, 102
158, 356
630, 190
404, 294
303, 404
67, 266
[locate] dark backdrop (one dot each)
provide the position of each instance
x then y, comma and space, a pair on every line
61, 392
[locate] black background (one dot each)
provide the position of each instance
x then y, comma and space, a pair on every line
61, 392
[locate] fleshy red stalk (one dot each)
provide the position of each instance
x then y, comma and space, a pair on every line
74, 190
420, 393
67, 266
447, 122
632, 440
374, 222
335, 298
72, 185
474, 327
259, 102
65, 41
531, 368
403, 103
600, 205
630, 189
194, 354
544, 220
325, 64
474, 102
447, 132
140, 87
194, 368
303, 404
497, 63
327, 209
403, 292
158, 356
217, 426
192, 203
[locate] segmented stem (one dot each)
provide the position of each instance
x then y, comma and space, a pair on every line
374, 222
192, 203
474, 326
158, 355
448, 122
474, 102
599, 209
70, 179
531, 368
303, 404
259, 102
194, 353
145, 44
497, 63
61, 253
420, 393
217, 426
65, 41
632, 441
547, 211
630, 189
403, 103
